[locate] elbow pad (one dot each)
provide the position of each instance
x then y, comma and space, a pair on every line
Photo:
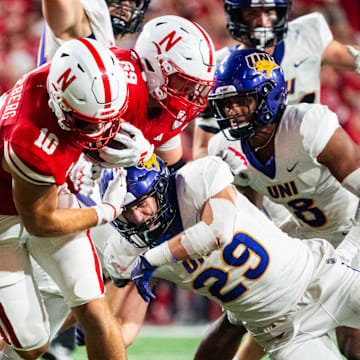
201, 238
352, 182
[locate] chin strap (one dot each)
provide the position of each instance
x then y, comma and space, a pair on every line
176, 166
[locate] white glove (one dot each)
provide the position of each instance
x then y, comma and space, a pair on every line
236, 161
113, 199
356, 54
137, 148
81, 178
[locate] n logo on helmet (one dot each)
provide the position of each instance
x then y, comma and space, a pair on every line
261, 63
64, 78
170, 40
149, 165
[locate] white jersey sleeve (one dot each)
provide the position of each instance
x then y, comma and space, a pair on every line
318, 126
197, 182
172, 143
300, 56
315, 32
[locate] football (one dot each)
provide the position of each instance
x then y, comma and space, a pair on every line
94, 156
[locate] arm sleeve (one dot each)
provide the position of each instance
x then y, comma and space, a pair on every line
173, 143
200, 180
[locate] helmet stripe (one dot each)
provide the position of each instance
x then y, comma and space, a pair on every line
101, 66
211, 55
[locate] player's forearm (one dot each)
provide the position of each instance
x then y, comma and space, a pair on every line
200, 143
60, 222
62, 15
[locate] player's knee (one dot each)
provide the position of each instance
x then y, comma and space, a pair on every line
92, 313
33, 354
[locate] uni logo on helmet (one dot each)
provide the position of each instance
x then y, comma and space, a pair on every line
261, 63
149, 165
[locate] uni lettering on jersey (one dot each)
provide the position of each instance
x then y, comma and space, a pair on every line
290, 86
170, 40
282, 190
13, 99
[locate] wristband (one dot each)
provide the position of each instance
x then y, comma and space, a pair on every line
160, 255
105, 213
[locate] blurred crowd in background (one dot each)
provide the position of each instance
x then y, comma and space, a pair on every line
21, 24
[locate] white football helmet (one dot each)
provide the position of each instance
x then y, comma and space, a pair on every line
88, 91
178, 58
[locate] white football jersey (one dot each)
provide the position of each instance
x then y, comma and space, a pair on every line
294, 177
299, 55
99, 18
249, 276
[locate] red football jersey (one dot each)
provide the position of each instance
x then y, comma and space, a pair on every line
33, 144
160, 128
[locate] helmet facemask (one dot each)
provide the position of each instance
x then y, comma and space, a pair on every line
237, 126
89, 132
127, 16
257, 37
148, 233
184, 97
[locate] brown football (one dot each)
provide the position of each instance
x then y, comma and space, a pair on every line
94, 156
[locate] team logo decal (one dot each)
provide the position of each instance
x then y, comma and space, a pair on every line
180, 119
149, 165
261, 63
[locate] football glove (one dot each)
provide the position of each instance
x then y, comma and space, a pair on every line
113, 199
136, 148
141, 275
236, 161
81, 179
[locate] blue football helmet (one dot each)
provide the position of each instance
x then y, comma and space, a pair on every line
120, 7
150, 178
246, 73
260, 37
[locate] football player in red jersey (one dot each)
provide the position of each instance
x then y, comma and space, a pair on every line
171, 72
46, 120
178, 66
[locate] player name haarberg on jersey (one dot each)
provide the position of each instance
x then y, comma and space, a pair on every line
13, 100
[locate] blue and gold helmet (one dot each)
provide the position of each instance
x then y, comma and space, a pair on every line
247, 73
260, 37
118, 8
150, 178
